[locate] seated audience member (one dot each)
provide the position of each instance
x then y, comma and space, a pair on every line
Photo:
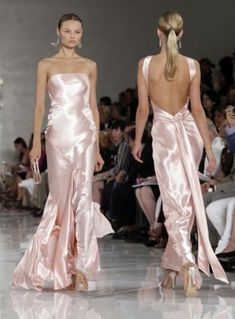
105, 117
208, 103
219, 116
119, 157
206, 67
106, 150
218, 144
230, 129
225, 185
119, 112
221, 214
23, 150
105, 100
20, 170
122, 201
129, 102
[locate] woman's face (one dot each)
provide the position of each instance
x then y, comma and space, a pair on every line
219, 118
70, 33
117, 135
115, 113
207, 103
221, 129
19, 147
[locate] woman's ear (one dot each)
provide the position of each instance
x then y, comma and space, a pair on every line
57, 32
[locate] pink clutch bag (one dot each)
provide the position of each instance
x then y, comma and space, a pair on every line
35, 171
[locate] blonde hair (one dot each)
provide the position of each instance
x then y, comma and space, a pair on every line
171, 24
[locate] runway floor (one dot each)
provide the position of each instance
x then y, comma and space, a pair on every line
128, 285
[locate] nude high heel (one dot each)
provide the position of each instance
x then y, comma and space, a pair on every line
81, 283
170, 280
190, 281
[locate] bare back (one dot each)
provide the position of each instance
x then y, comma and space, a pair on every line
170, 96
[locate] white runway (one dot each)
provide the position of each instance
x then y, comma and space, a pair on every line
128, 285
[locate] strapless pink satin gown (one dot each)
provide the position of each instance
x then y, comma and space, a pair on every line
66, 238
177, 151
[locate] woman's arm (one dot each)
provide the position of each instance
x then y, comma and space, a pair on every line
39, 109
142, 111
95, 112
200, 118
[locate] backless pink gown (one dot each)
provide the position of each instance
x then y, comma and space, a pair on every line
66, 238
177, 151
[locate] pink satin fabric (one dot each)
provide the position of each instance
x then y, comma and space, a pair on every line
66, 238
177, 151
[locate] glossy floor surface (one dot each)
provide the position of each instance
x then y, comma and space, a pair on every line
128, 285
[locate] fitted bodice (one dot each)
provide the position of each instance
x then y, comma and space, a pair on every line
70, 113
69, 90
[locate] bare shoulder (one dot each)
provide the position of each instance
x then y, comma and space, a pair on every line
187, 57
45, 64
151, 57
91, 65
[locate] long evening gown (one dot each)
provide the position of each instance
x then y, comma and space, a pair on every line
66, 238
177, 151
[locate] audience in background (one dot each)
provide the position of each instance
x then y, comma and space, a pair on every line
209, 103
102, 183
21, 170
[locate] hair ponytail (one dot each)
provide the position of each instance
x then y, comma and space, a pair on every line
171, 24
172, 55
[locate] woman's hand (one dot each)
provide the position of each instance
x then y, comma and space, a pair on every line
211, 162
99, 163
136, 152
35, 152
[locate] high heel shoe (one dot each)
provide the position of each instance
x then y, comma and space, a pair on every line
81, 283
190, 281
169, 280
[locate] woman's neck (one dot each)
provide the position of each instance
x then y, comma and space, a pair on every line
163, 48
67, 53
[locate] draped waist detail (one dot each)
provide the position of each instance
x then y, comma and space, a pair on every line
164, 116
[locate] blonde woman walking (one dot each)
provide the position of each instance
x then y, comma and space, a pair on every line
170, 80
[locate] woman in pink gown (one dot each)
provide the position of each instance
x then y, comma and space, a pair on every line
170, 80
64, 249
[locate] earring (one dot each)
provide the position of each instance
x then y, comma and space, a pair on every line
180, 45
79, 45
55, 44
160, 43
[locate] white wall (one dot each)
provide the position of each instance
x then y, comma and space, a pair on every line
117, 34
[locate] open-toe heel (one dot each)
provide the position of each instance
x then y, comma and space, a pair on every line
81, 283
190, 281
169, 280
